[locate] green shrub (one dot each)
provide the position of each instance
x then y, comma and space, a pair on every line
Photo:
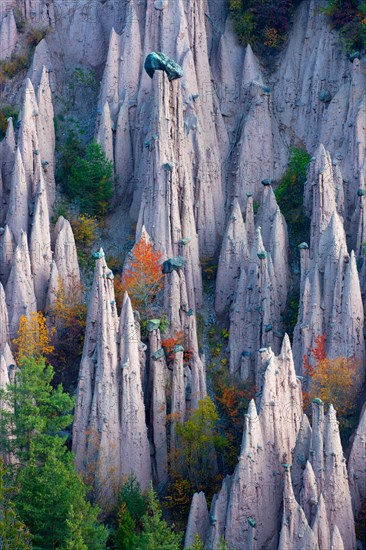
72, 150
11, 67
19, 19
289, 195
91, 181
263, 24
200, 329
349, 16
86, 232
7, 111
34, 36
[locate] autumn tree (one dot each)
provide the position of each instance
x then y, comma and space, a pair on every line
334, 381
143, 277
232, 402
86, 230
193, 456
68, 313
317, 354
33, 337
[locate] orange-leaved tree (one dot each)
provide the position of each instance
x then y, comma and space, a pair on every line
233, 399
34, 337
143, 278
317, 354
68, 313
334, 381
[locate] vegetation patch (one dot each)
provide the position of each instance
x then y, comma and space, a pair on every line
90, 181
289, 194
349, 17
290, 197
7, 111
265, 24
143, 280
12, 66
336, 382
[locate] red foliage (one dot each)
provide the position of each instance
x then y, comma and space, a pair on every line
178, 340
169, 343
143, 278
318, 353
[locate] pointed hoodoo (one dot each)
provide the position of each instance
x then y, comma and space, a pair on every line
27, 138
8, 35
260, 152
4, 320
320, 525
109, 87
178, 406
17, 216
42, 62
158, 407
295, 533
352, 316
251, 69
40, 244
19, 290
240, 360
356, 465
198, 520
105, 134
336, 488
320, 195
280, 386
218, 514
7, 247
134, 444
326, 456
249, 220
309, 492
275, 240
245, 500
66, 255
255, 316
234, 247
336, 542
53, 287
97, 422
301, 452
46, 135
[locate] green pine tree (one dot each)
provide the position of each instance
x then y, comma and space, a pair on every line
124, 534
50, 493
50, 497
34, 412
156, 532
134, 500
13, 533
91, 181
74, 537
197, 545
